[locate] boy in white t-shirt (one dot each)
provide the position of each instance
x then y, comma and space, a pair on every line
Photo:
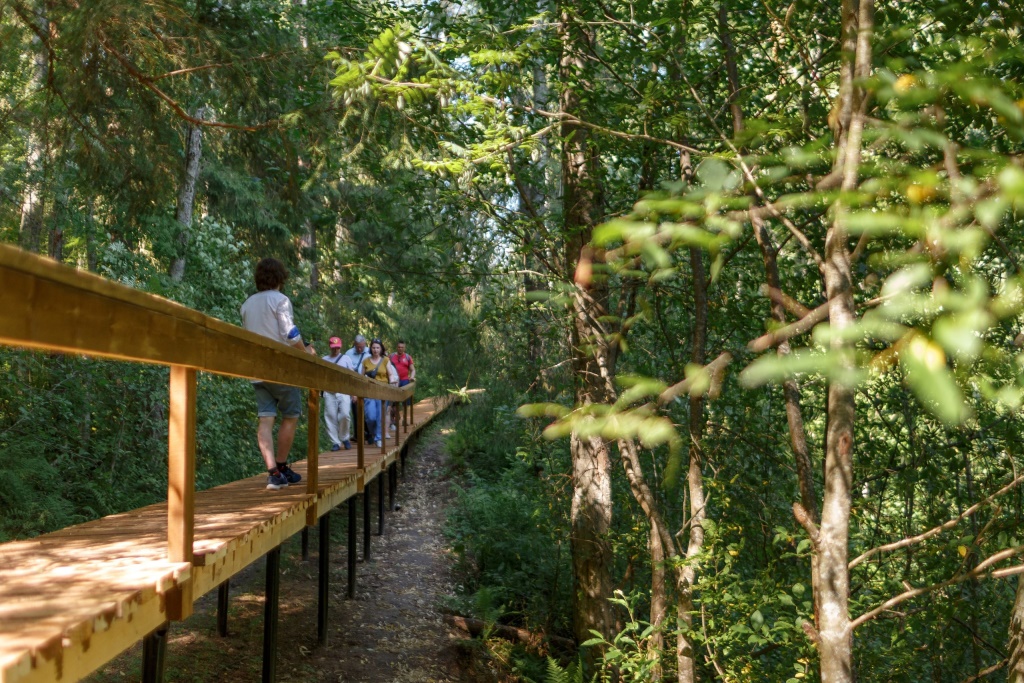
269, 312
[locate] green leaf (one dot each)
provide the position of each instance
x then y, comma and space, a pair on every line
932, 382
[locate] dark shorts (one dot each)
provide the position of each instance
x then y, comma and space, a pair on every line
273, 397
402, 383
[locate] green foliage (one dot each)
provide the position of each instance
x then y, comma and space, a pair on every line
507, 532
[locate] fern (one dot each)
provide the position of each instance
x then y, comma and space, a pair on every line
570, 674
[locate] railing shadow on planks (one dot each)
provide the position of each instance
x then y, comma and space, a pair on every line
73, 600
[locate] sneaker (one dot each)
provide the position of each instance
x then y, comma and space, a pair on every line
377, 444
337, 447
348, 445
289, 474
276, 481
393, 427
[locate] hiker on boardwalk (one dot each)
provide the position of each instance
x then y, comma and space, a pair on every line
269, 312
377, 367
406, 374
338, 407
354, 357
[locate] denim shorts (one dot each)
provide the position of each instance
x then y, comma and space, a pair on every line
271, 397
402, 383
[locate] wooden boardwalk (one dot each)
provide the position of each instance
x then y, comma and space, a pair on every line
72, 600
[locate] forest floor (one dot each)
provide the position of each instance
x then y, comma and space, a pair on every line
393, 631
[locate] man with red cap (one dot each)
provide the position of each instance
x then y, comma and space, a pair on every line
338, 407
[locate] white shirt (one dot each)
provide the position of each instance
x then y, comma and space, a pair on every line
341, 360
269, 313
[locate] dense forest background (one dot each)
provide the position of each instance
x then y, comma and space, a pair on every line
741, 279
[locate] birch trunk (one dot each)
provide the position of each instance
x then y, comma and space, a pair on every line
32, 214
187, 195
836, 638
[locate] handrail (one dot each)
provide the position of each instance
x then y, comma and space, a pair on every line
47, 305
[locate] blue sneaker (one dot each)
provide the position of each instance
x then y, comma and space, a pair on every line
348, 445
276, 481
335, 447
290, 475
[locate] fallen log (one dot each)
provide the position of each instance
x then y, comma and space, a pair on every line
477, 627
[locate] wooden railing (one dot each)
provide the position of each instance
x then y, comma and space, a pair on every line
49, 306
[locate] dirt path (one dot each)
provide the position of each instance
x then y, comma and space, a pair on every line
392, 632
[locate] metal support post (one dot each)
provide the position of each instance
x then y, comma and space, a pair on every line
392, 485
223, 593
366, 523
351, 548
273, 594
154, 646
323, 595
358, 412
380, 504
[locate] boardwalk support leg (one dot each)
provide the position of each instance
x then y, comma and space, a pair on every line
273, 594
323, 595
380, 504
366, 524
305, 544
223, 592
392, 484
153, 648
351, 548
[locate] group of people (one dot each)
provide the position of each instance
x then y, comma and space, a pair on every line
397, 369
268, 312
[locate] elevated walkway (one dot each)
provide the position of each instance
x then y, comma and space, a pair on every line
74, 599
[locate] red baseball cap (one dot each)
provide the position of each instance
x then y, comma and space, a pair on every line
335, 342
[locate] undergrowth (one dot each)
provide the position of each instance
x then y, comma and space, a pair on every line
507, 526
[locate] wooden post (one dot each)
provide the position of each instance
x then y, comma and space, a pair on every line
312, 457
385, 413
357, 413
181, 483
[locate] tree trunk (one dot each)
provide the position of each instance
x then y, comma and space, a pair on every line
593, 359
687, 575
836, 638
1016, 645
187, 194
31, 229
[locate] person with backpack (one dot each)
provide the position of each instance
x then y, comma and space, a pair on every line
406, 374
377, 367
338, 407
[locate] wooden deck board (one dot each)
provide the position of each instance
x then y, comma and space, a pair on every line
73, 599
